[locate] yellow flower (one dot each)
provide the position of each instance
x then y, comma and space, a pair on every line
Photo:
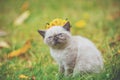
56, 22
80, 24
23, 76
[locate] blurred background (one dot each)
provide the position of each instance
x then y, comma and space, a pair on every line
22, 50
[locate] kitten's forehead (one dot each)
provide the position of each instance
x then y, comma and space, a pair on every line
55, 30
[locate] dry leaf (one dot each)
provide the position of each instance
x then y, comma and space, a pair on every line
20, 51
4, 44
23, 76
22, 18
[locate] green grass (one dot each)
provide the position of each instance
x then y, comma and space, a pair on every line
103, 30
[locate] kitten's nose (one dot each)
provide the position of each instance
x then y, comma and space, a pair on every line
56, 38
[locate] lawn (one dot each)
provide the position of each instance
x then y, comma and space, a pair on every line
100, 23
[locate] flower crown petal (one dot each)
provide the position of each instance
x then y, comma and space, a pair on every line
56, 22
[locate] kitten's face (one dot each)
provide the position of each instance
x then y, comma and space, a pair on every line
57, 37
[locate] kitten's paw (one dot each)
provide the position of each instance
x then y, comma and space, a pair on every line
60, 75
68, 74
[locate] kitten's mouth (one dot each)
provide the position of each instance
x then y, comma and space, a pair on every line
56, 43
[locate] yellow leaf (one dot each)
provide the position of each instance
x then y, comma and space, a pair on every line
80, 24
23, 76
56, 22
20, 51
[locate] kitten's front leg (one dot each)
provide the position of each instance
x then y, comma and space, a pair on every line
68, 71
61, 69
69, 67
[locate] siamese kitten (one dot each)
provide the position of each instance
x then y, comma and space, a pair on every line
74, 54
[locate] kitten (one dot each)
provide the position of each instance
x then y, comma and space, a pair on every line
74, 54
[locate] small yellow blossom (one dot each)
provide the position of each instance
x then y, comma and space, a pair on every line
56, 22
23, 76
80, 24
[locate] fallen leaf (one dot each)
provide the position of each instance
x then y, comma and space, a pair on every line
4, 44
22, 18
20, 51
23, 76
80, 24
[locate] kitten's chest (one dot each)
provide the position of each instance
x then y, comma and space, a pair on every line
59, 55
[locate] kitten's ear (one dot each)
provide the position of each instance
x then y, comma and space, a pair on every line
42, 33
67, 26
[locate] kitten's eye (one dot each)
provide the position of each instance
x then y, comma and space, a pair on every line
50, 38
61, 35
